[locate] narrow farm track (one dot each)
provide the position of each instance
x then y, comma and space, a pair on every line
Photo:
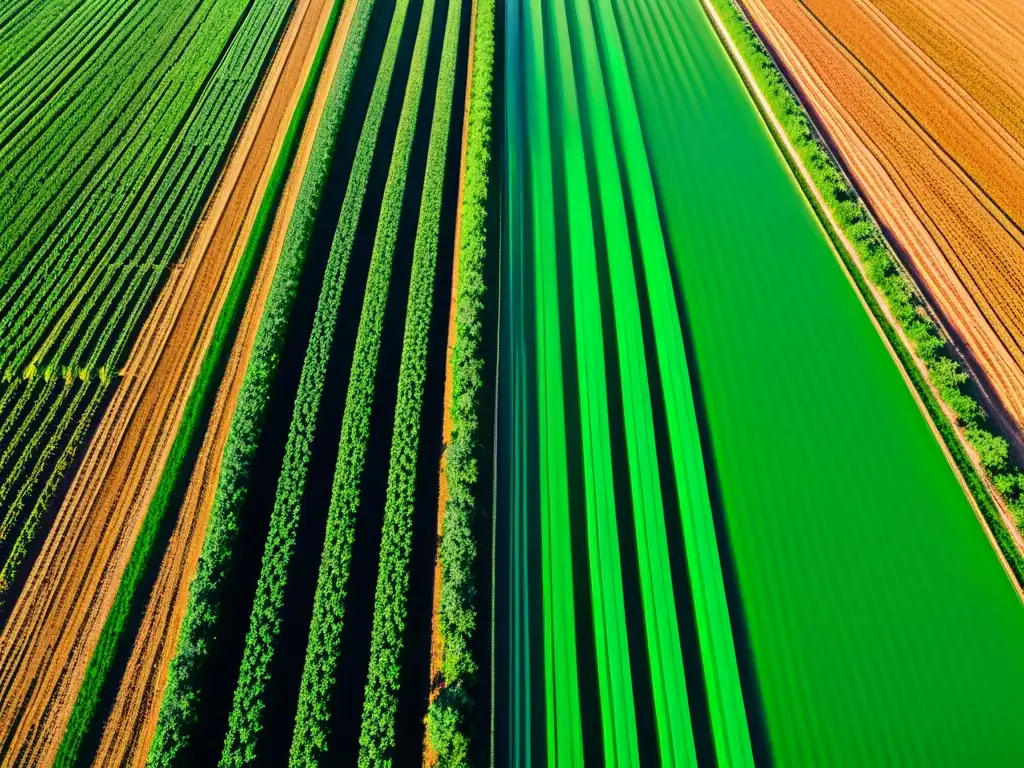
55, 623
936, 155
627, 517
132, 720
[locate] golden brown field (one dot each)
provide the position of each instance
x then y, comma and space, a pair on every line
924, 103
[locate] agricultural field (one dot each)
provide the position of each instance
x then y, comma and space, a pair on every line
924, 103
823, 501
455, 382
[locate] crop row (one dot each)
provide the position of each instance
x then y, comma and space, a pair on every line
377, 737
191, 429
246, 719
447, 718
184, 690
322, 661
944, 371
80, 302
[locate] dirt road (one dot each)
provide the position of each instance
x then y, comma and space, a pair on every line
941, 167
56, 621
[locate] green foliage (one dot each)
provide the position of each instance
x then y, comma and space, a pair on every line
446, 727
313, 717
188, 669
944, 372
377, 736
458, 548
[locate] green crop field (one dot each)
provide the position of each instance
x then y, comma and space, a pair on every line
568, 404
797, 576
114, 124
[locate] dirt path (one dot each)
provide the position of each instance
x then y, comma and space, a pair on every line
55, 623
436, 641
132, 720
794, 157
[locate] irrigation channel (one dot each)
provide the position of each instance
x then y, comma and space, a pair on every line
725, 529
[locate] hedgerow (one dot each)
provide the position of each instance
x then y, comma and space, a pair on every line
377, 737
447, 729
313, 717
945, 373
188, 671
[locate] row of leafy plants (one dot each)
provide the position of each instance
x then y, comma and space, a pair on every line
313, 719
377, 736
241, 745
448, 730
945, 373
194, 420
189, 670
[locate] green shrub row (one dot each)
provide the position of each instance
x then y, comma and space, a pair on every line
447, 729
194, 420
313, 718
377, 737
188, 669
246, 720
944, 371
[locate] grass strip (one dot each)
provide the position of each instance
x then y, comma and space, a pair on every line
944, 371
187, 672
377, 736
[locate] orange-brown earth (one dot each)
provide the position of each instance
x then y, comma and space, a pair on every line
923, 102
436, 640
55, 623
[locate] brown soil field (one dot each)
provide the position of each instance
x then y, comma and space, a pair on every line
436, 641
55, 623
924, 106
808, 181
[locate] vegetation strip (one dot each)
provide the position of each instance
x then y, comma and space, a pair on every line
447, 730
187, 670
377, 736
313, 719
946, 376
190, 430
245, 722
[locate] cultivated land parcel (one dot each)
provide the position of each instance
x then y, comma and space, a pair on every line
864, 596
303, 302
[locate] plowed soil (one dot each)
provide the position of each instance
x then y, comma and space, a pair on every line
925, 106
55, 623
